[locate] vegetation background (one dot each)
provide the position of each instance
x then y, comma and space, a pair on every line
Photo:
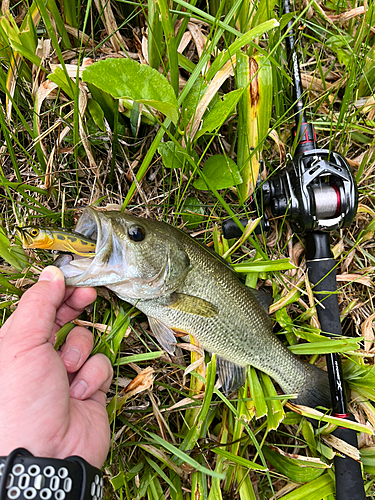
149, 106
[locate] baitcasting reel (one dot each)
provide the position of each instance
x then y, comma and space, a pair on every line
316, 191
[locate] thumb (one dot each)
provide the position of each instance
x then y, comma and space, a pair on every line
33, 321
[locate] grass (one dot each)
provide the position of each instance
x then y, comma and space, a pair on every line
67, 145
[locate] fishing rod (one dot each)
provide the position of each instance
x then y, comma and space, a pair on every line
317, 194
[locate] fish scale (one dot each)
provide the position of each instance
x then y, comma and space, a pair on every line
181, 285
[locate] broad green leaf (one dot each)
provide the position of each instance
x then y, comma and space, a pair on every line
122, 477
240, 42
192, 99
60, 78
12, 254
325, 450
220, 112
200, 66
359, 374
127, 79
368, 458
221, 172
284, 320
308, 434
318, 415
327, 346
97, 113
298, 470
196, 430
292, 418
62, 334
25, 52
256, 392
192, 212
172, 154
263, 265
313, 490
264, 11
275, 410
254, 74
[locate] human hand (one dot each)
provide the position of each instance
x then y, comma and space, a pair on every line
52, 403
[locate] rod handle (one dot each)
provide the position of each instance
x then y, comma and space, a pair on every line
348, 474
322, 275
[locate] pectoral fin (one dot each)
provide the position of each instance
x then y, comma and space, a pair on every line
192, 305
164, 335
230, 375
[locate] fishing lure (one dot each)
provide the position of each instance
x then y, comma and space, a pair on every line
56, 239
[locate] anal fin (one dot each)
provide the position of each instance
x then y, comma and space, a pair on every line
264, 298
164, 335
230, 375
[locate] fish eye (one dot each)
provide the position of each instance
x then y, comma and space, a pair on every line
34, 232
136, 233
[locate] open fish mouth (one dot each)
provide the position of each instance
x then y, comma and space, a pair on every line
88, 271
132, 269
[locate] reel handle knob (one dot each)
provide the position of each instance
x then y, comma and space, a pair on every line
231, 230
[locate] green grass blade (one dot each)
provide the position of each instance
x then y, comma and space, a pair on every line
315, 490
170, 41
184, 458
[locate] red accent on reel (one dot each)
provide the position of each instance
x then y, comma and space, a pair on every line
341, 415
338, 199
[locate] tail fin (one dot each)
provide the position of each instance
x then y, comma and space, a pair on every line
316, 391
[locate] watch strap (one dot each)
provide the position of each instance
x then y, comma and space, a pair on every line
25, 477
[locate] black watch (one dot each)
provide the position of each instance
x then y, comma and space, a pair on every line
25, 477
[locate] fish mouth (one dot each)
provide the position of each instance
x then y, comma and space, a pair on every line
26, 240
89, 271
114, 264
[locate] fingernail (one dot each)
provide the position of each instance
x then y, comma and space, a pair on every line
51, 273
71, 357
78, 389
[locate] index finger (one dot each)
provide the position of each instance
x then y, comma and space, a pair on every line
75, 301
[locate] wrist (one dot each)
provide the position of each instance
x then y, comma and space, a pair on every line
25, 477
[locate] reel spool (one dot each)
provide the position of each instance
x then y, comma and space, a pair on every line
327, 201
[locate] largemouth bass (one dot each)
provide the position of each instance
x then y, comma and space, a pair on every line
56, 239
181, 286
